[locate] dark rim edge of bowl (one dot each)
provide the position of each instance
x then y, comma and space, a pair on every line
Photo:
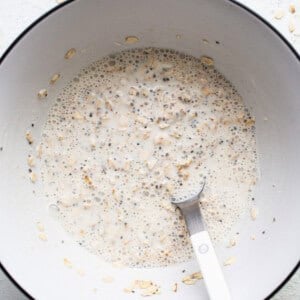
56, 8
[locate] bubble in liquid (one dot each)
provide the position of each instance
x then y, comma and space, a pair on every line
53, 210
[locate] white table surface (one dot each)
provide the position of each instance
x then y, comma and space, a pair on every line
16, 15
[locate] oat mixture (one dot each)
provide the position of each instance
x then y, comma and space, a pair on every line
133, 129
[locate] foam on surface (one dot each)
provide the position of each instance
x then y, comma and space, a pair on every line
134, 129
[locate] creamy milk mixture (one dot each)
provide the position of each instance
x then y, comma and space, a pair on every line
132, 130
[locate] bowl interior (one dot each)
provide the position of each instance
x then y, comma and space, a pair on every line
261, 66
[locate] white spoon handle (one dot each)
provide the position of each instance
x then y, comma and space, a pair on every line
209, 266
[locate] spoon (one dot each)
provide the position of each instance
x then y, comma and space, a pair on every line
203, 248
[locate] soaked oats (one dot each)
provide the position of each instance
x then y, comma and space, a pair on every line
131, 40
54, 78
131, 130
43, 93
70, 53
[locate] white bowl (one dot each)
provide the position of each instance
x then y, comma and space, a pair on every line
253, 55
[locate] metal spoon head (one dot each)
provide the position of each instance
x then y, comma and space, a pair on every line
188, 198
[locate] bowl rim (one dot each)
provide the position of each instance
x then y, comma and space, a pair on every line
67, 2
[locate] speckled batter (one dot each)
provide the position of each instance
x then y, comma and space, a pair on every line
130, 131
